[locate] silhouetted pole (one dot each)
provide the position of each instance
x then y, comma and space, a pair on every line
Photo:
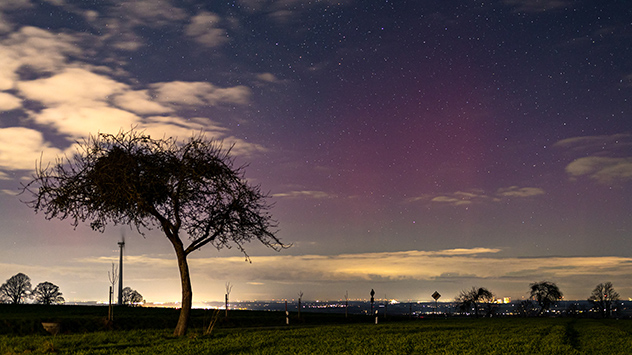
110, 306
120, 280
229, 288
372, 300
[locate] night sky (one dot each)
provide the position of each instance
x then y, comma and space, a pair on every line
408, 146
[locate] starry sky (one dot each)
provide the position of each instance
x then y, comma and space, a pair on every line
408, 146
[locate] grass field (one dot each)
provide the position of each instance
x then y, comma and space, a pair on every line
359, 336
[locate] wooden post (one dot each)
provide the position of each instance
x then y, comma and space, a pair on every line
287, 315
110, 306
226, 307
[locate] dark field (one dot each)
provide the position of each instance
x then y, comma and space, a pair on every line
148, 331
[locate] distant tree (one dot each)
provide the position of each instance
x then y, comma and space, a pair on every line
602, 297
574, 309
525, 308
472, 299
48, 293
190, 190
545, 293
131, 297
300, 296
17, 289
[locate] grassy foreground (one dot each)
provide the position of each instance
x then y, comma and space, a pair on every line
447, 336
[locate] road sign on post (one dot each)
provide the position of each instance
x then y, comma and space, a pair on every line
436, 295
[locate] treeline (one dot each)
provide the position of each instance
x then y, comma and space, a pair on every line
18, 290
542, 296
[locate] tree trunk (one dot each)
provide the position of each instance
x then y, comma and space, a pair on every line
187, 293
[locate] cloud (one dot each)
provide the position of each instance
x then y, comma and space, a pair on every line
413, 265
140, 102
304, 194
81, 121
9, 192
535, 6
204, 29
478, 196
448, 269
9, 102
604, 159
515, 191
267, 77
602, 169
5, 25
35, 48
75, 86
199, 93
15, 4
153, 13
77, 103
21, 147
461, 198
596, 144
243, 147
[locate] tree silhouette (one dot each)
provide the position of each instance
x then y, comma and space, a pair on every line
546, 294
602, 297
48, 293
471, 299
131, 297
190, 190
16, 290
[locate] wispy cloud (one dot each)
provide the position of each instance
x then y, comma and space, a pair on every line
481, 263
515, 191
306, 194
199, 93
460, 268
602, 169
21, 147
479, 196
604, 159
75, 99
204, 29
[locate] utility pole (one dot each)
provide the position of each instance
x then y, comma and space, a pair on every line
120, 280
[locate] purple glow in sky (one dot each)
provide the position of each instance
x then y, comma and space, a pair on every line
408, 146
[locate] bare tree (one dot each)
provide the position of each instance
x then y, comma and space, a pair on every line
191, 190
472, 299
16, 290
525, 308
48, 293
131, 297
602, 298
546, 294
113, 277
300, 295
